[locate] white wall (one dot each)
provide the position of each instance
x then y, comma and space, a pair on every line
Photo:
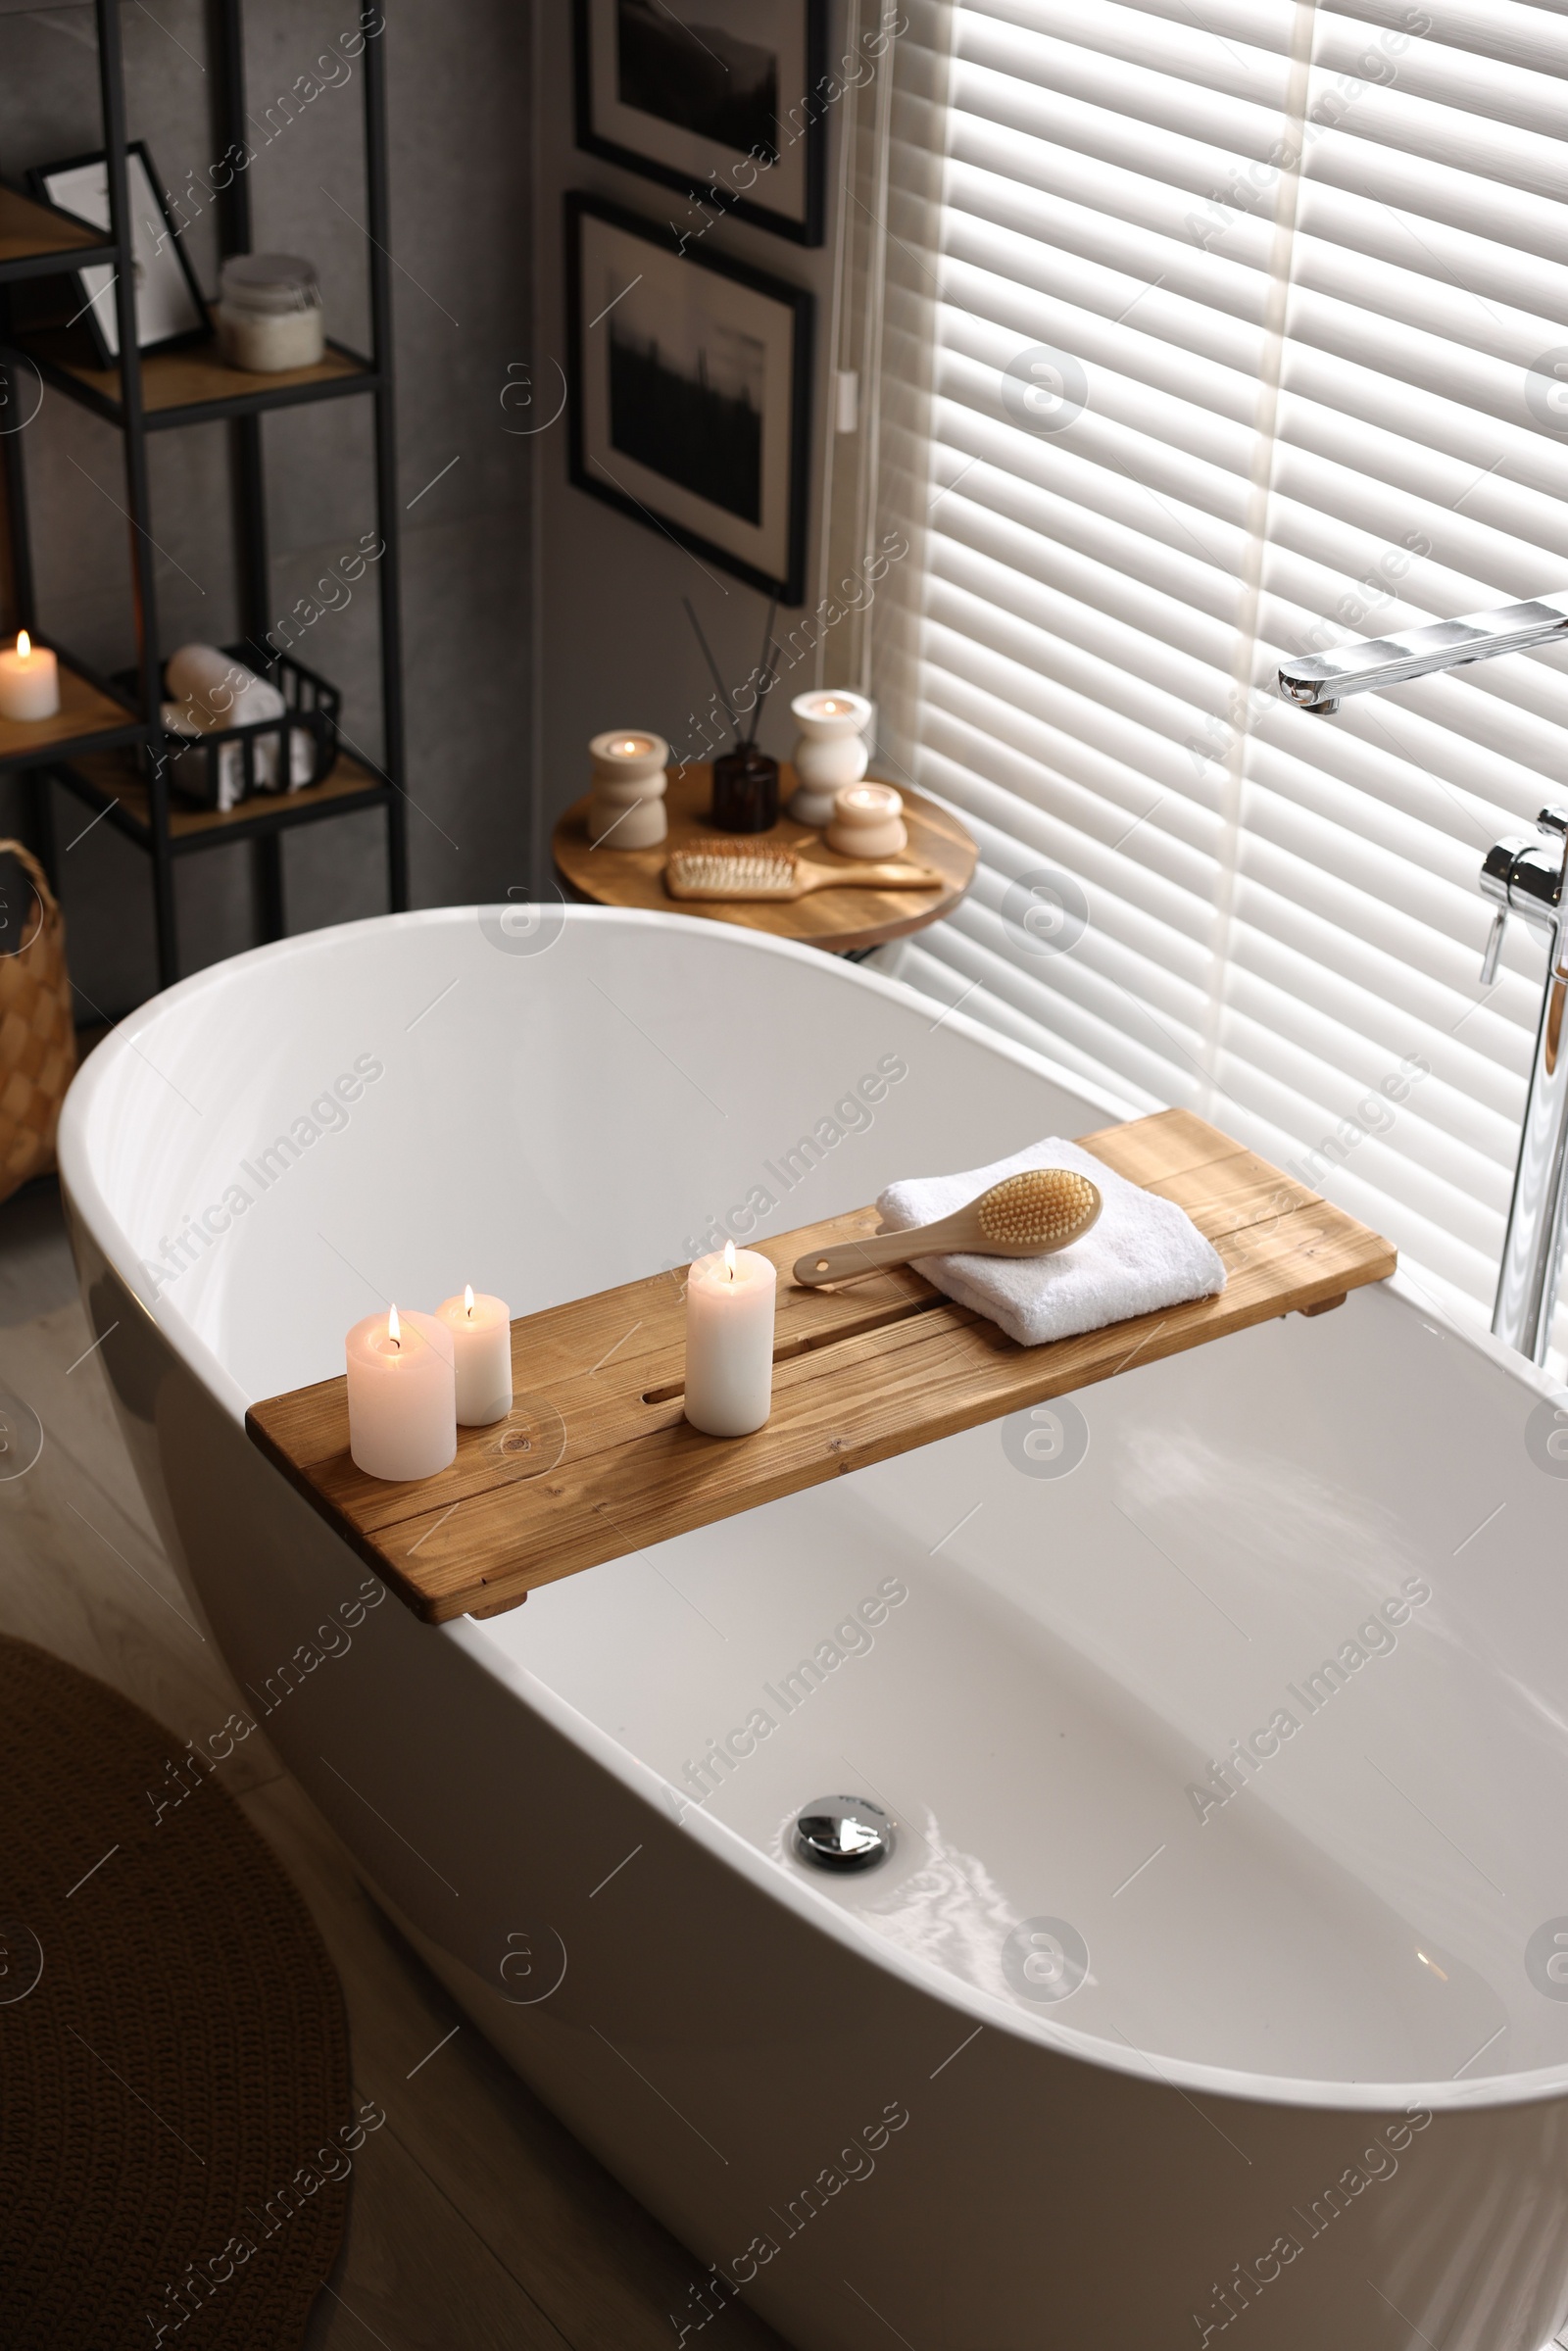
616, 647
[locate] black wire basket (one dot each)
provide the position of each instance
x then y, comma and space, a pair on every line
219, 769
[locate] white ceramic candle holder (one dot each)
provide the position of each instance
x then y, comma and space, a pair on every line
830, 750
867, 822
626, 804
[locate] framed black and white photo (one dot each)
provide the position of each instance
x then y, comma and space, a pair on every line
169, 302
689, 393
723, 100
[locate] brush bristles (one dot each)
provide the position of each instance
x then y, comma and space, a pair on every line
1042, 1205
723, 872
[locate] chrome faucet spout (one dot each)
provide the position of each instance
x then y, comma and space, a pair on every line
1520, 876
1318, 684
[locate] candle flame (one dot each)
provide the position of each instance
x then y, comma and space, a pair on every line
467, 1298
729, 1260
831, 707
631, 744
24, 644
392, 1331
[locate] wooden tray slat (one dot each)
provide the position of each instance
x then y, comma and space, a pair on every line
860, 1374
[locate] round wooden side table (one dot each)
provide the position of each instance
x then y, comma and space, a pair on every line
841, 921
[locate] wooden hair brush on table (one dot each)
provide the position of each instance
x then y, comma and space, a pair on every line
716, 871
1031, 1214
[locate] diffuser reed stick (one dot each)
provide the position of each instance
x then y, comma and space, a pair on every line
765, 682
712, 666
765, 672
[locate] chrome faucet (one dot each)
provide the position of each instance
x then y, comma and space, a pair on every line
1520, 876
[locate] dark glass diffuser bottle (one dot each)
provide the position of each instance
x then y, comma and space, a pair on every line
744, 791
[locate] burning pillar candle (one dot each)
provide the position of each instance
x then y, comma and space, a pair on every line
729, 1342
481, 1335
29, 681
403, 1417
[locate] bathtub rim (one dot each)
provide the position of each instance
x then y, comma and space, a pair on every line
85, 1200
80, 1185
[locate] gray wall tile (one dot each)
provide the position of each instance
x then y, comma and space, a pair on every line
459, 90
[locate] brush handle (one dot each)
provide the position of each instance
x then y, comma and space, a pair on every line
847, 1258
863, 876
962, 1230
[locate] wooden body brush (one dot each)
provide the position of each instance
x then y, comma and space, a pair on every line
1031, 1214
782, 874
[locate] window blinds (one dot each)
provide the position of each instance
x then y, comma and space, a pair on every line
1222, 329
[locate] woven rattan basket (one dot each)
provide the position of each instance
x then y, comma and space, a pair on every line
37, 1037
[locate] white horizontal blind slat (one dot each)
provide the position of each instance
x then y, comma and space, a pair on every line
1292, 412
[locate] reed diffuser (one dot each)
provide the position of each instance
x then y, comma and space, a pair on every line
745, 778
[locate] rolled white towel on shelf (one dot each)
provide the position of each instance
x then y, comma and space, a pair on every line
213, 690
210, 692
1144, 1253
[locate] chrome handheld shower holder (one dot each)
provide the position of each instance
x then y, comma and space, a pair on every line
1520, 876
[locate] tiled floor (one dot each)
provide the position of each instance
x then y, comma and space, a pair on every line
476, 2220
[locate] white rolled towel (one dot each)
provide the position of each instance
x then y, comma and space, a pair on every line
213, 690
1143, 1253
209, 690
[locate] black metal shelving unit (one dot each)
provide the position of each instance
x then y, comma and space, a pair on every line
85, 749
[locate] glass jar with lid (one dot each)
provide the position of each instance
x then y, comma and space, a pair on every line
270, 313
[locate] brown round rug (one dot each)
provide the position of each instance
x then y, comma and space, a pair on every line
177, 2123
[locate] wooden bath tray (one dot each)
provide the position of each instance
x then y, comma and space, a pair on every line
597, 1459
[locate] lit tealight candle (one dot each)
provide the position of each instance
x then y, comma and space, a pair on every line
867, 822
729, 1342
29, 681
481, 1336
403, 1419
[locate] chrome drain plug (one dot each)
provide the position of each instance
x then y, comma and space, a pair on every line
843, 1832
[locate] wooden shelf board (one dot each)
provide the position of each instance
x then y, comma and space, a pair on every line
860, 1374
34, 235
838, 921
191, 376
114, 779
86, 711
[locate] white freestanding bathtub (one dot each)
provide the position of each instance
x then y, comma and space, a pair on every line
1216, 1982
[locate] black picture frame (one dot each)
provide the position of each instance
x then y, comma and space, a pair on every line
775, 471
800, 210
41, 179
